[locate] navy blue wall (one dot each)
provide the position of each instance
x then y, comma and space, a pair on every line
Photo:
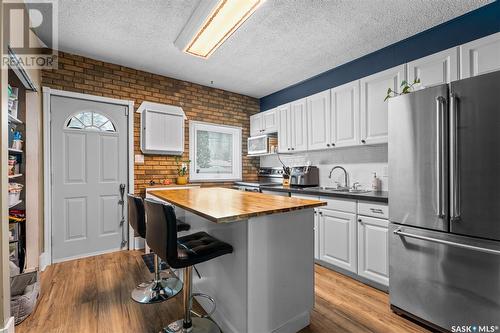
476, 24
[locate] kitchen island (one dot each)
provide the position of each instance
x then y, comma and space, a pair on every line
267, 283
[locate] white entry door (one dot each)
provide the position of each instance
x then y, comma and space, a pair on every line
89, 163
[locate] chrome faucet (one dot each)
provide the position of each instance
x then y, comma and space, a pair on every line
346, 184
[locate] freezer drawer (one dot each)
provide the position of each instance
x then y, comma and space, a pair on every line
442, 283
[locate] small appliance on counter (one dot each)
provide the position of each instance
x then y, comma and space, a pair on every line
304, 176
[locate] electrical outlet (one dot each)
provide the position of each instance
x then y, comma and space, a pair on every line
139, 159
386, 172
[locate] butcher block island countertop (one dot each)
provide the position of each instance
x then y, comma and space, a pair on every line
273, 241
221, 205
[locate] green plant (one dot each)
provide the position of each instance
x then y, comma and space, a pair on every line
182, 166
406, 89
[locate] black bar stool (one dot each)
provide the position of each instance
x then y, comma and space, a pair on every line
183, 252
159, 289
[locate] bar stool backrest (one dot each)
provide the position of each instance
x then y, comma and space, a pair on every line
136, 214
161, 233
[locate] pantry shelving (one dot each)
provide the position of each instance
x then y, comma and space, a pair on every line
19, 85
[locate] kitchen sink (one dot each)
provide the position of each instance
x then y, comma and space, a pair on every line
336, 189
358, 191
331, 189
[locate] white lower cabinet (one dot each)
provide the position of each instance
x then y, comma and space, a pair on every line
373, 249
337, 238
316, 234
352, 235
316, 222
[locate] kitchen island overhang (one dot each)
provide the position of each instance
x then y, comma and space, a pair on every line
267, 283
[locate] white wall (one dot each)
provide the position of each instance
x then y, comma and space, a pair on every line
360, 163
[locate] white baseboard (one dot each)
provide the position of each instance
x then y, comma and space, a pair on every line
9, 327
44, 261
295, 324
138, 243
92, 254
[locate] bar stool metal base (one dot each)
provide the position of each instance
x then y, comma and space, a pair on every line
157, 291
200, 325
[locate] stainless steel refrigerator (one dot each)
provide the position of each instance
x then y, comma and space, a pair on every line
444, 204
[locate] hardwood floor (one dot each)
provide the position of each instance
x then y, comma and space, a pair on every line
93, 295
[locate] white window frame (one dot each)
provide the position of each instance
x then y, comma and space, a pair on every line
195, 126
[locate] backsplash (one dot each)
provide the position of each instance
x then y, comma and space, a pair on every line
360, 163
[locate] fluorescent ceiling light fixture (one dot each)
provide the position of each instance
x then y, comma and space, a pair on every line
212, 22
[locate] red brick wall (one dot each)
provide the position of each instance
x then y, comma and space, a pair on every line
85, 75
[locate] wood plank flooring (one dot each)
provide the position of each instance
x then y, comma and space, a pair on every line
93, 295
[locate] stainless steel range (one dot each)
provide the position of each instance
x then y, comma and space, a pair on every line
300, 176
267, 176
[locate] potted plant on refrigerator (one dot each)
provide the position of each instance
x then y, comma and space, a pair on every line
182, 168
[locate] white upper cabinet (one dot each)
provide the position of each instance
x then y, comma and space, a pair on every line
344, 119
298, 131
480, 56
318, 116
270, 121
256, 124
162, 129
264, 123
374, 122
292, 126
437, 68
284, 128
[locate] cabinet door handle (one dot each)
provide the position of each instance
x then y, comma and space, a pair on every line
333, 144
377, 210
440, 128
293, 148
363, 141
320, 213
360, 220
328, 145
454, 183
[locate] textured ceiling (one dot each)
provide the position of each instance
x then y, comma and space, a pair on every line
284, 42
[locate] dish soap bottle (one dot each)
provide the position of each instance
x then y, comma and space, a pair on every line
375, 183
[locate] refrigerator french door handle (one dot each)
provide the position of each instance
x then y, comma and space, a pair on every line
399, 231
454, 182
440, 105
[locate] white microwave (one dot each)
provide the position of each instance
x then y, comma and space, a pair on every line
262, 145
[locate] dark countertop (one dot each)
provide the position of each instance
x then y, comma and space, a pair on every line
382, 196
